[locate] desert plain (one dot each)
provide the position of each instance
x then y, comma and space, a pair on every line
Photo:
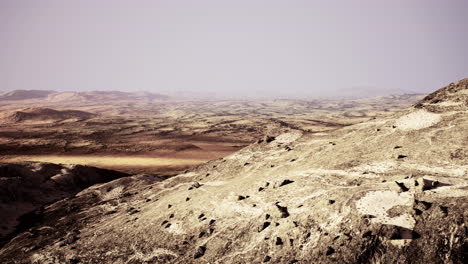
153, 133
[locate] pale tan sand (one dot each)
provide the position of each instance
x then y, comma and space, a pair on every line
417, 120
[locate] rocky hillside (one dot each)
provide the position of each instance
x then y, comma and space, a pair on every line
392, 190
26, 187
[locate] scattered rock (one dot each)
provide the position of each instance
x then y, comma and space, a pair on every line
266, 259
330, 251
200, 252
417, 211
427, 205
197, 185
111, 212
430, 185
285, 182
368, 216
279, 241
283, 210
269, 139
402, 186
132, 211
264, 226
444, 210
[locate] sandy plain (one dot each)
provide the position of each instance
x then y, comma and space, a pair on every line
154, 134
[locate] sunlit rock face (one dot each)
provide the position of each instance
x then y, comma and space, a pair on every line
391, 190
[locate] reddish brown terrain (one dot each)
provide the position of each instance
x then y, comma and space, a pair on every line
153, 133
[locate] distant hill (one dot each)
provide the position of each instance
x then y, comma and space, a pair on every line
25, 94
105, 96
92, 96
42, 114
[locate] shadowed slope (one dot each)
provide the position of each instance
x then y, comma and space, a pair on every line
26, 187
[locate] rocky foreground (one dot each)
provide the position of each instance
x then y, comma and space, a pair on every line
392, 190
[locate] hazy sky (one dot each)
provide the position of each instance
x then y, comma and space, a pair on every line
239, 47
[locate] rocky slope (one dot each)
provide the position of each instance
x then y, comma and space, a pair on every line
26, 187
391, 190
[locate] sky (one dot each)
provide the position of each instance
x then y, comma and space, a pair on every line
237, 48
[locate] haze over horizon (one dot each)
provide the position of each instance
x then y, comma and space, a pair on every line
233, 48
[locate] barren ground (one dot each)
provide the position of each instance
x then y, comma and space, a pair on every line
164, 136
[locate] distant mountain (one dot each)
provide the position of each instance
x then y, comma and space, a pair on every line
25, 94
368, 91
54, 96
104, 96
